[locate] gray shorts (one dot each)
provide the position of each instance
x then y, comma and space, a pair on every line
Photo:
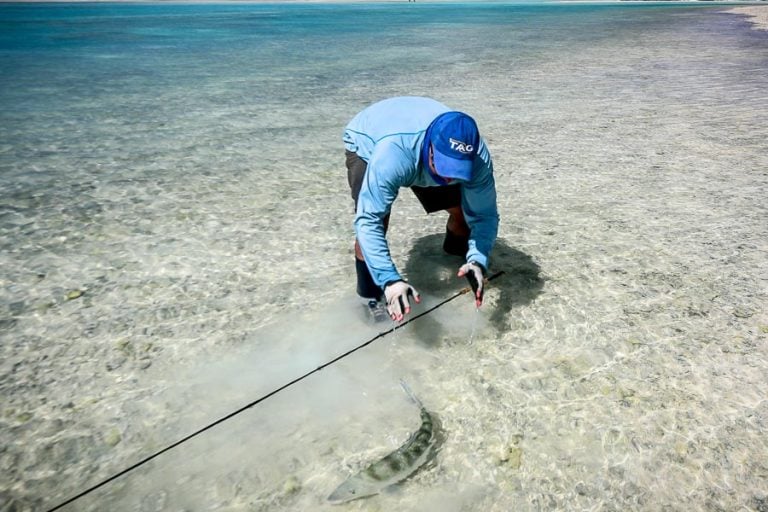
433, 199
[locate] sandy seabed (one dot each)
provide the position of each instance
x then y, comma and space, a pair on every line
620, 363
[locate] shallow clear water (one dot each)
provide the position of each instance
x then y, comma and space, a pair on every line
180, 169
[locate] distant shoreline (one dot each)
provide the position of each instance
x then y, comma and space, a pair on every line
755, 10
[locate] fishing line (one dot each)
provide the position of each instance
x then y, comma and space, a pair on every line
261, 399
474, 325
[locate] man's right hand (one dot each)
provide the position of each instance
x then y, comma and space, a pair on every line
397, 294
474, 274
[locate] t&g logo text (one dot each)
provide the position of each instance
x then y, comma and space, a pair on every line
461, 147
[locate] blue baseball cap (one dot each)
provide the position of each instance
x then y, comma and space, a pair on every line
454, 138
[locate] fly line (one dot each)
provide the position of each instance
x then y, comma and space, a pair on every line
264, 397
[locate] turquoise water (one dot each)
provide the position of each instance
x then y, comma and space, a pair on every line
180, 167
83, 85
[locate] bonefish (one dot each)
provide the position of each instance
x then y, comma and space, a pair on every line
420, 447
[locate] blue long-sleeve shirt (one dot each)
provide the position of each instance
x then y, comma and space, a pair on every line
389, 136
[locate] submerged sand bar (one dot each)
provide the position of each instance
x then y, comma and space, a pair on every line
758, 14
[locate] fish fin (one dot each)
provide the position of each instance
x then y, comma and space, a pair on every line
410, 394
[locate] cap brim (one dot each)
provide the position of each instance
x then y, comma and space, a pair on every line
453, 168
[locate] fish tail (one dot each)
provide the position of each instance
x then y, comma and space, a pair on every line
410, 394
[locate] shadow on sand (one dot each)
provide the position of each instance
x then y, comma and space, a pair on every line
433, 272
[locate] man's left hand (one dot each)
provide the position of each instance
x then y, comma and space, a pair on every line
474, 274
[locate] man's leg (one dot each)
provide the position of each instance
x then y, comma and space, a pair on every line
448, 198
456, 233
456, 223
